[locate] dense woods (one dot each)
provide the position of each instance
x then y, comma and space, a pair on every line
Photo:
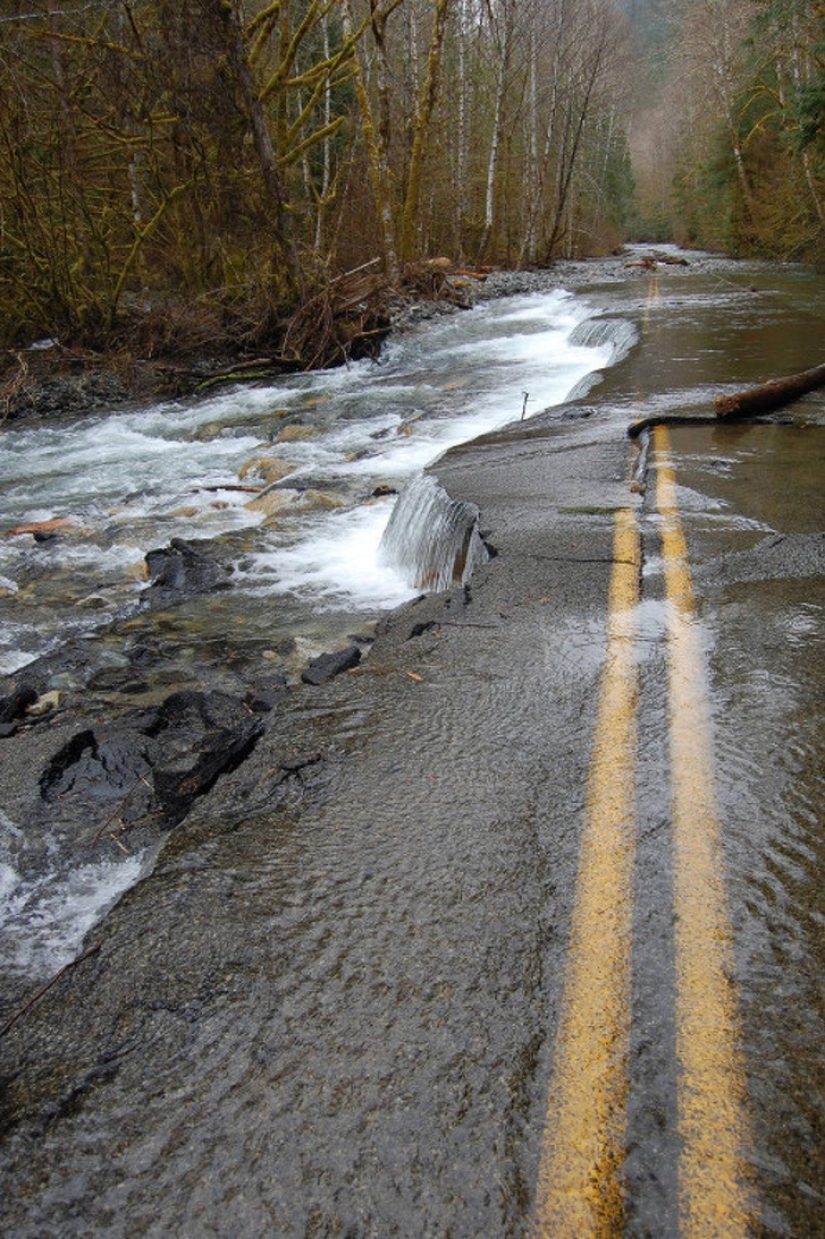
181, 172
214, 163
729, 145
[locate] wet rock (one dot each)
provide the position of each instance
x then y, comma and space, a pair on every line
138, 571
100, 769
183, 569
180, 783
264, 700
14, 706
314, 482
147, 768
272, 501
295, 434
322, 500
269, 468
76, 393
194, 709
419, 630
44, 705
92, 602
327, 666
108, 680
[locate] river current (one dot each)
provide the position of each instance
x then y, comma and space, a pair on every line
326, 1002
126, 483
302, 554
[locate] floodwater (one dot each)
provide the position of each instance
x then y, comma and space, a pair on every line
330, 1007
305, 562
753, 498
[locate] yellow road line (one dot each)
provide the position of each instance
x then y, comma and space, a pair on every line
713, 1119
578, 1190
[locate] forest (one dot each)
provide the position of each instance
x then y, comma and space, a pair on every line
174, 172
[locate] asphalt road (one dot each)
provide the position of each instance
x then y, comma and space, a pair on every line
531, 940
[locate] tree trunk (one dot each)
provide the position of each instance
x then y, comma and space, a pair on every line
63, 93
429, 97
800, 83
273, 182
461, 143
770, 396
377, 158
496, 139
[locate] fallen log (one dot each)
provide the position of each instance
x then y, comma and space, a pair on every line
770, 396
249, 371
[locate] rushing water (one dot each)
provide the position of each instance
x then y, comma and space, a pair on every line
329, 1008
303, 554
125, 484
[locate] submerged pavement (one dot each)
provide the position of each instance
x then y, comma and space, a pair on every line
360, 989
331, 1003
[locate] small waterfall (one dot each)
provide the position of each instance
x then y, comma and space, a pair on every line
430, 538
617, 333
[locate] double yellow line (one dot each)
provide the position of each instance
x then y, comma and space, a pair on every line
579, 1190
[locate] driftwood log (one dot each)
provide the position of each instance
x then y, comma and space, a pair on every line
769, 396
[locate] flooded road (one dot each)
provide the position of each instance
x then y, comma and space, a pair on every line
345, 1001
753, 512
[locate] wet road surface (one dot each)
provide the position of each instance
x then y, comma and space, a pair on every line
531, 938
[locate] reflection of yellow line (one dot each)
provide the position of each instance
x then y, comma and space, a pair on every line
714, 1198
578, 1191
653, 295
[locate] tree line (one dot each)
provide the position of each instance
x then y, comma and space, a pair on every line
226, 159
730, 143
186, 170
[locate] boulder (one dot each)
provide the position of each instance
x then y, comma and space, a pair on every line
270, 468
14, 706
323, 500
180, 782
295, 433
326, 666
184, 569
272, 501
148, 768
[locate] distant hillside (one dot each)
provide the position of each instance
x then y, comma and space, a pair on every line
653, 21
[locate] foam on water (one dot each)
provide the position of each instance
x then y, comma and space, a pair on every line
135, 480
321, 567
44, 920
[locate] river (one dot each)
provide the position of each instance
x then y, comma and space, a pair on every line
135, 480
325, 1002
302, 561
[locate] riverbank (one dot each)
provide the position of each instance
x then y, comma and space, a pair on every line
150, 359
159, 353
